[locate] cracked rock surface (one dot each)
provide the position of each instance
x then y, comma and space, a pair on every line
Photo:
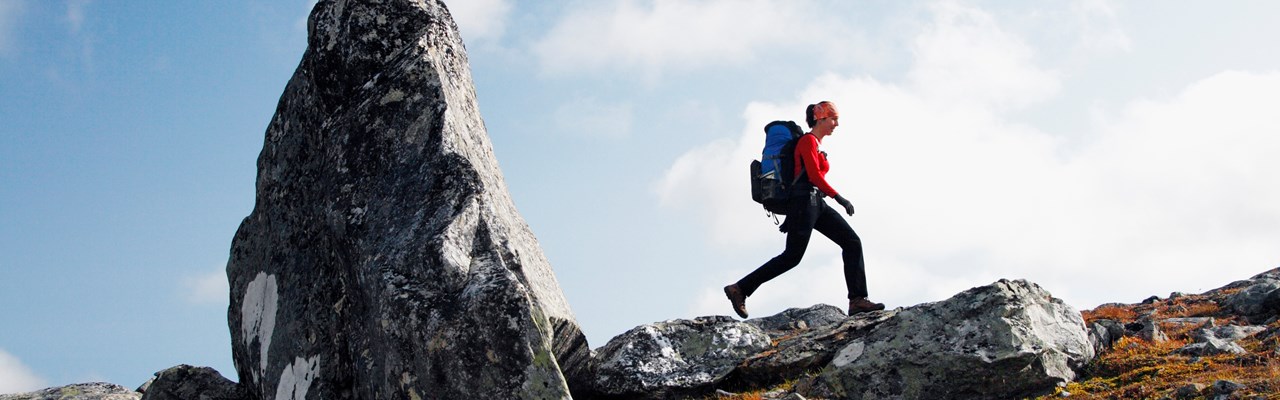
384, 257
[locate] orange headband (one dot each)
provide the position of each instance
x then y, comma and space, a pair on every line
824, 110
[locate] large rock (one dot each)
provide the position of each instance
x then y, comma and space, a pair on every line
1006, 340
1104, 333
79, 391
805, 349
793, 319
185, 382
675, 358
1219, 340
1257, 298
384, 258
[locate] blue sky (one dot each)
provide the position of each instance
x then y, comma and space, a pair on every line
1108, 151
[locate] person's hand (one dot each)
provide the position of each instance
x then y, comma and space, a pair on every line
848, 207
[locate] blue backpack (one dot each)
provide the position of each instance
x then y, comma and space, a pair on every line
774, 174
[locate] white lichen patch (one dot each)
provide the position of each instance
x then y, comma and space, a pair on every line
258, 317
849, 354
296, 378
393, 96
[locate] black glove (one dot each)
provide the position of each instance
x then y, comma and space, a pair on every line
848, 207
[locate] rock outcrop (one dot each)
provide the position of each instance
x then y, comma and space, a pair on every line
791, 320
79, 391
186, 382
675, 358
1257, 298
384, 258
1006, 340
805, 348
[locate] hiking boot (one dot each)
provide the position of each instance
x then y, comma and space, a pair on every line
861, 304
738, 300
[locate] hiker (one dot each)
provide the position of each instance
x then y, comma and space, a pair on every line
807, 212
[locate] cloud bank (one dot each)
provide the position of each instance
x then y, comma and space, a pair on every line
955, 190
480, 20
210, 288
9, 12
652, 37
16, 377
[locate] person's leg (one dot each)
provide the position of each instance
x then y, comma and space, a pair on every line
832, 225
800, 229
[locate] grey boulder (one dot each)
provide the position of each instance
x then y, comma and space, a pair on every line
1210, 346
1009, 339
1218, 340
675, 358
1146, 328
185, 382
1258, 297
79, 391
384, 258
793, 319
797, 352
1104, 333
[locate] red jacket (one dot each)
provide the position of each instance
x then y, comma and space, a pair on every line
814, 164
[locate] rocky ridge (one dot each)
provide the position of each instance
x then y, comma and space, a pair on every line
1025, 343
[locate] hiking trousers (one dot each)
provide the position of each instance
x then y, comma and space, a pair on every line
806, 214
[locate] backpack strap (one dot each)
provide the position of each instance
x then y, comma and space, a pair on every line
796, 178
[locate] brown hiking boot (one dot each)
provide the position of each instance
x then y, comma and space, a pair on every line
738, 300
861, 305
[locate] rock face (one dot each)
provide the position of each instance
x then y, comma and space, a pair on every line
1258, 297
1219, 340
185, 382
79, 391
1009, 339
803, 349
384, 258
793, 319
675, 358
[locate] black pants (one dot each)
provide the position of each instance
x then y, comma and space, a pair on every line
806, 214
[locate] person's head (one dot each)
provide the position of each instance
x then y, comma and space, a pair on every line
822, 116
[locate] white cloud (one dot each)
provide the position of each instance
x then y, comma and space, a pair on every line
9, 17
75, 15
591, 117
965, 57
480, 20
657, 35
16, 377
208, 288
1164, 194
1100, 27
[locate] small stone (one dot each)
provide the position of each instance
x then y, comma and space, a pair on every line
794, 396
1147, 329
1064, 393
1151, 300
1189, 391
1226, 387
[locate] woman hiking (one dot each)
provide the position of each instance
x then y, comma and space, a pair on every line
806, 212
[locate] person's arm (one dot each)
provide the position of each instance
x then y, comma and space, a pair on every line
807, 152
